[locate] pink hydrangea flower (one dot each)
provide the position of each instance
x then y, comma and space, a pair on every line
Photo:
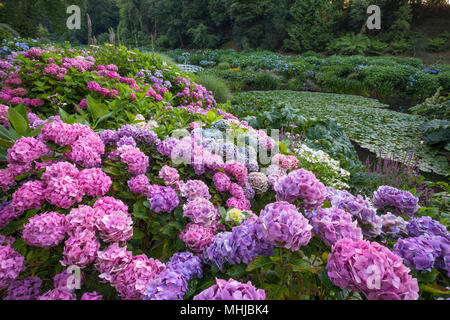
132, 282
12, 264
26, 150
112, 261
195, 189
201, 211
82, 218
94, 182
221, 181
169, 175
29, 196
45, 230
81, 249
197, 237
134, 158
110, 204
372, 269
115, 227
139, 184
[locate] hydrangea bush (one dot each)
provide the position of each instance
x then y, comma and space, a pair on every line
127, 181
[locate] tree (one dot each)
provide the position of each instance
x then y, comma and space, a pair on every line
311, 25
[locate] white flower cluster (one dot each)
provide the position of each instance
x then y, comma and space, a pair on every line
337, 176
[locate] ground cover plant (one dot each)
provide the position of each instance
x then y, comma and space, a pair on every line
364, 121
119, 166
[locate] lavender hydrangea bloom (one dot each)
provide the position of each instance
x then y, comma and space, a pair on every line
58, 294
362, 210
419, 253
393, 226
245, 243
187, 264
426, 225
24, 289
201, 211
403, 202
333, 224
281, 223
126, 141
220, 251
128, 130
443, 261
301, 184
166, 146
163, 199
231, 290
148, 137
169, 285
109, 136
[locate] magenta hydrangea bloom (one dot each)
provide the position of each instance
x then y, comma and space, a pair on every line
94, 182
301, 184
58, 132
238, 171
58, 294
419, 253
45, 230
6, 179
12, 264
86, 151
333, 224
7, 213
281, 223
91, 296
24, 289
139, 184
131, 282
81, 249
231, 290
372, 269
239, 203
60, 170
112, 260
115, 227
221, 181
197, 237
82, 218
63, 192
286, 162
26, 150
403, 202
169, 175
195, 189
29, 196
237, 191
201, 211
110, 204
163, 199
66, 280
134, 158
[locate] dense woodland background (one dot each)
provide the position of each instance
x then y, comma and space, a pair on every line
284, 25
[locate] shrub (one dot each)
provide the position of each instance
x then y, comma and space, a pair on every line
8, 33
223, 65
215, 84
296, 84
436, 44
400, 46
267, 81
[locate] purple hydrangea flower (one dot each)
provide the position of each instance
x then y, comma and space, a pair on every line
403, 202
231, 290
426, 226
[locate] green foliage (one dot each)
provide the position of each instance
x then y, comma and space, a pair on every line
267, 81
310, 25
437, 106
8, 33
215, 84
365, 121
437, 133
436, 44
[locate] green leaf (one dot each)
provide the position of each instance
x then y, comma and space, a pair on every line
259, 262
19, 123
